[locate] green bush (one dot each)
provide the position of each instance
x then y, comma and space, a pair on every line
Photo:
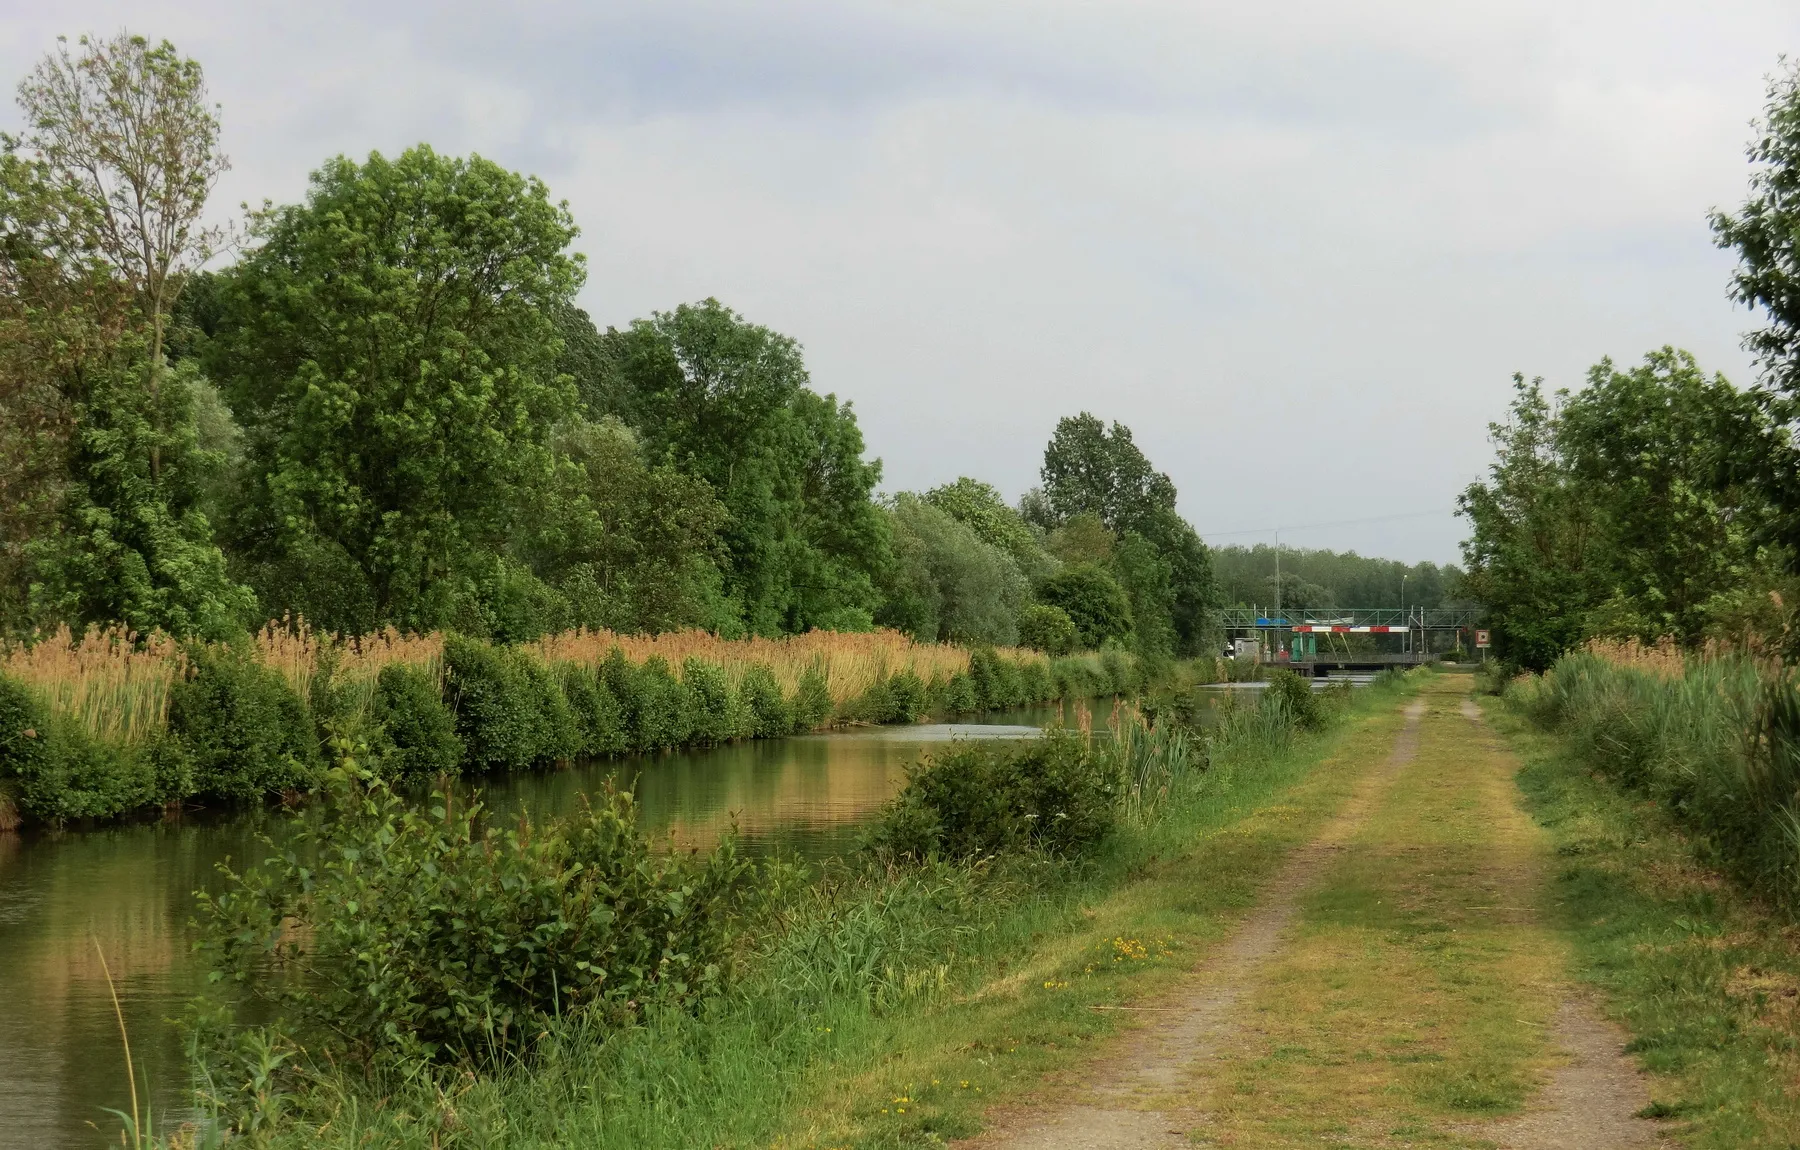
959, 694
981, 798
404, 936
1294, 694
557, 734
243, 729
495, 704
760, 694
661, 716
1047, 628
812, 700
908, 699
1035, 685
1092, 599
598, 718
52, 770
714, 717
415, 733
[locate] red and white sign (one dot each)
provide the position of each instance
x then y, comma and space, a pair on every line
1322, 628
1481, 639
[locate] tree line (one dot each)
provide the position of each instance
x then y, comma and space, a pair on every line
1660, 500
1315, 579
382, 406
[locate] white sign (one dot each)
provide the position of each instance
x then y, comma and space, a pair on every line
1481, 639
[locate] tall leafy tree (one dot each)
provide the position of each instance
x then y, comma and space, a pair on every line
103, 224
1610, 511
728, 400
1094, 471
979, 506
947, 582
391, 347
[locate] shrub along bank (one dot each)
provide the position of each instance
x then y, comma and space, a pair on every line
482, 982
1713, 737
238, 729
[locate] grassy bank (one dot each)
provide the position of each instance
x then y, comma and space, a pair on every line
1711, 737
1705, 976
890, 1005
105, 724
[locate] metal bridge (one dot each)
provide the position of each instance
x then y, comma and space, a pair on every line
1318, 642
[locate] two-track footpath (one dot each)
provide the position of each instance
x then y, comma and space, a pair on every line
1395, 981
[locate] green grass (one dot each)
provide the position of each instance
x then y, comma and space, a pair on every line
893, 1013
1705, 978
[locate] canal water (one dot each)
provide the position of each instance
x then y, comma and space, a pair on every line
127, 891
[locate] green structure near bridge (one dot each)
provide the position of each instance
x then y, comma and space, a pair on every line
1349, 638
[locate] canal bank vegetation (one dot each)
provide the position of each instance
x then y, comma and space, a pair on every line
104, 726
482, 979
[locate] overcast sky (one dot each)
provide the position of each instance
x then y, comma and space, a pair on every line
1298, 249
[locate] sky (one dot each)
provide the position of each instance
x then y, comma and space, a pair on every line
1298, 249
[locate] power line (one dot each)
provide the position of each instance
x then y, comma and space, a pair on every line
1313, 526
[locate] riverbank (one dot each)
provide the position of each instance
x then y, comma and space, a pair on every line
1673, 917
891, 1008
105, 726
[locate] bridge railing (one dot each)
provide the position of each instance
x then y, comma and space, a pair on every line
1427, 618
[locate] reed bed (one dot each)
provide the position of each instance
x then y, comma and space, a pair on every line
294, 649
852, 663
115, 682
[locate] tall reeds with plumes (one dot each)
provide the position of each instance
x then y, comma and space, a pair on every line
852, 662
114, 681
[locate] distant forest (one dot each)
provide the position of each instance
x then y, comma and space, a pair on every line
1312, 579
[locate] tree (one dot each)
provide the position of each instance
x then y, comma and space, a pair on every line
1090, 470
1765, 232
946, 582
1532, 544
125, 128
727, 400
1611, 511
631, 547
101, 226
979, 506
1092, 599
391, 349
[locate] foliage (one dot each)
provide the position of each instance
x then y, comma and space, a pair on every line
1294, 694
1093, 601
629, 546
445, 935
1765, 233
1714, 739
101, 228
979, 506
245, 731
1093, 476
727, 400
946, 583
1047, 628
416, 733
1610, 511
1091, 470
981, 798
1313, 579
390, 350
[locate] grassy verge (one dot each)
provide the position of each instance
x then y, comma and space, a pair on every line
1705, 978
895, 1013
1411, 1001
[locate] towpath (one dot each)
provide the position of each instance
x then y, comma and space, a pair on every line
1396, 985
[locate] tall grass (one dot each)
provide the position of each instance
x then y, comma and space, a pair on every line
1712, 735
114, 681
852, 662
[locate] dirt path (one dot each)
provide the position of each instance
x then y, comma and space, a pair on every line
1141, 1105
1593, 1099
1302, 1026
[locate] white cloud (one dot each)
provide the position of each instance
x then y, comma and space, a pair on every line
1299, 254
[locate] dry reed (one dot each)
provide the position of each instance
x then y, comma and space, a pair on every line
851, 662
113, 682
